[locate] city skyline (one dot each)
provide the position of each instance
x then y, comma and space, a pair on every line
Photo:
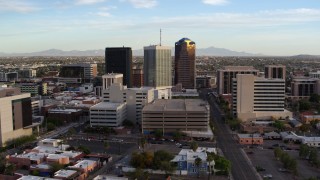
269, 27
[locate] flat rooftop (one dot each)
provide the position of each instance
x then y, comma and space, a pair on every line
35, 178
239, 68
107, 105
64, 173
177, 105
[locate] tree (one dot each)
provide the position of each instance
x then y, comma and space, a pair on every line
198, 162
304, 151
50, 126
160, 156
313, 157
278, 124
277, 152
177, 135
142, 142
84, 149
71, 131
222, 164
194, 146
158, 133
106, 145
167, 167
315, 98
304, 105
54, 167
210, 158
305, 127
10, 168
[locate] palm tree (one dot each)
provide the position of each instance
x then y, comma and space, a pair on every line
198, 162
210, 158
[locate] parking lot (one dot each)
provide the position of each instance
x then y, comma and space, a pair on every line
265, 159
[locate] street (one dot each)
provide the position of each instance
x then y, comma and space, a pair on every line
241, 170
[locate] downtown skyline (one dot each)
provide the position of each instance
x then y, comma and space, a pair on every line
269, 27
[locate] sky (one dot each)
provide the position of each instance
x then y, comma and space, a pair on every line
269, 27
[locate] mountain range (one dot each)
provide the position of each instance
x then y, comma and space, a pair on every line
210, 51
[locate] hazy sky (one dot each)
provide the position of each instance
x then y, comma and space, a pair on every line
271, 27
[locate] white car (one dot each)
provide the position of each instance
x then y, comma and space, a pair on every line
268, 176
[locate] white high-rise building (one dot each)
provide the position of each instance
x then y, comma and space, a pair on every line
258, 98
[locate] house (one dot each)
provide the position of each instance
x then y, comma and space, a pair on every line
185, 161
249, 139
289, 136
85, 166
26, 159
311, 141
271, 135
35, 178
69, 174
109, 177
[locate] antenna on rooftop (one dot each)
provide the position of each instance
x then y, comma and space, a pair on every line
160, 36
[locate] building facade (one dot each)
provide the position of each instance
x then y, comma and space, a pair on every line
77, 73
109, 79
225, 76
119, 60
15, 114
185, 63
135, 99
304, 86
157, 66
255, 97
108, 114
171, 115
314, 74
275, 72
137, 74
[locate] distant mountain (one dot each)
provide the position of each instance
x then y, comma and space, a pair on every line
210, 51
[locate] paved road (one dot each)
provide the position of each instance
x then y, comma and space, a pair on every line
241, 169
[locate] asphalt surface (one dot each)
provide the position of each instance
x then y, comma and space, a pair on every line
241, 167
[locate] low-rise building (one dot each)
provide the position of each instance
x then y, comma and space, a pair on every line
26, 159
185, 161
69, 174
310, 141
29, 177
109, 177
108, 114
65, 115
57, 158
309, 116
170, 115
85, 166
249, 139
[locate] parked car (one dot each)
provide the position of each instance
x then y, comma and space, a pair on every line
267, 176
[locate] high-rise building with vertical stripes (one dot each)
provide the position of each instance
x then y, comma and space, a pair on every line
157, 66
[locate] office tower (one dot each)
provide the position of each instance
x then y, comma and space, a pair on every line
11, 76
137, 74
185, 63
275, 71
157, 66
258, 98
27, 73
77, 73
119, 60
15, 114
225, 76
304, 87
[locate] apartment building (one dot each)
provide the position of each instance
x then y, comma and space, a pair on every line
225, 76
256, 97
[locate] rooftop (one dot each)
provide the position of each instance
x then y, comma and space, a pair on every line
83, 164
109, 177
177, 105
249, 136
31, 155
107, 105
65, 111
64, 173
35, 178
239, 68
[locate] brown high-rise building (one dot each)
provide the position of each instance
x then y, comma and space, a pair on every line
137, 74
275, 72
185, 63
